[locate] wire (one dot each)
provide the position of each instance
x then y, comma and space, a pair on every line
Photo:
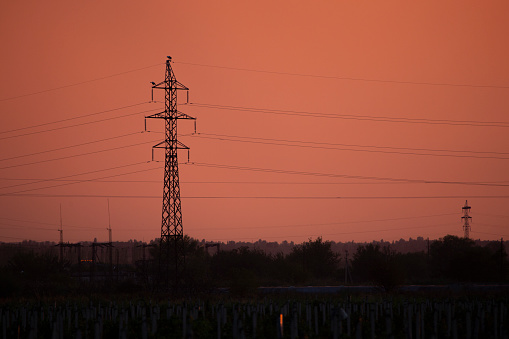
344, 78
335, 175
67, 147
221, 182
17, 227
6, 237
497, 234
50, 224
317, 145
493, 215
79, 155
73, 118
75, 175
81, 181
79, 83
80, 124
325, 224
15, 194
356, 117
339, 233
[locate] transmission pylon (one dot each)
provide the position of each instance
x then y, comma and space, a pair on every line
172, 232
466, 220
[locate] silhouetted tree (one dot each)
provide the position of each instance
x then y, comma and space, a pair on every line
378, 266
38, 274
317, 260
459, 259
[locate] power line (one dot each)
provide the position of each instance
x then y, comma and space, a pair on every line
356, 117
287, 236
325, 224
81, 181
6, 237
336, 175
323, 145
49, 224
18, 227
74, 175
78, 83
387, 229
493, 215
345, 78
78, 155
73, 118
67, 147
80, 124
497, 234
15, 194
221, 182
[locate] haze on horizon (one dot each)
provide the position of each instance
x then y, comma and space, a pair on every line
336, 119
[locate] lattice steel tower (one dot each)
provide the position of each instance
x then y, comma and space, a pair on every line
466, 219
172, 232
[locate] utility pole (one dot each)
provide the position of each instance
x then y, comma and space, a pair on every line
466, 220
502, 250
110, 241
348, 275
172, 232
61, 243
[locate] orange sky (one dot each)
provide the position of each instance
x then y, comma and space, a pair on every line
392, 59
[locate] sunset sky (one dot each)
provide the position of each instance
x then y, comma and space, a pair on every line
350, 120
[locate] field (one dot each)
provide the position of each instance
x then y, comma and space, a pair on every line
276, 316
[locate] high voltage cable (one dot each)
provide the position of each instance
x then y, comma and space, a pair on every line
67, 147
6, 237
17, 227
386, 229
219, 182
80, 124
79, 83
497, 234
323, 145
336, 175
79, 155
75, 175
233, 228
492, 215
72, 183
74, 118
50, 224
356, 117
343, 78
337, 233
37, 195
323, 224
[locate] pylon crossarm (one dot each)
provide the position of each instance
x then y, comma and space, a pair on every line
181, 115
160, 115
181, 145
158, 86
176, 85
180, 86
164, 144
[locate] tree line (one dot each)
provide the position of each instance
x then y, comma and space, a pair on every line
448, 260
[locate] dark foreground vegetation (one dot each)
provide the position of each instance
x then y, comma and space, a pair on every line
450, 260
376, 316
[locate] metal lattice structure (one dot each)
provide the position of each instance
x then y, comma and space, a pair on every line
466, 220
172, 232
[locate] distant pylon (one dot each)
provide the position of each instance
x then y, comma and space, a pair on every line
172, 232
466, 220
